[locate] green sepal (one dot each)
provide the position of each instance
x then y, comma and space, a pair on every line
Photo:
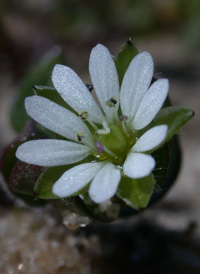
42, 73
85, 207
125, 55
8, 158
23, 178
161, 156
163, 184
44, 184
51, 94
174, 117
136, 193
94, 208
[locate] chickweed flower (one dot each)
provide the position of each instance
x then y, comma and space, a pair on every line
114, 131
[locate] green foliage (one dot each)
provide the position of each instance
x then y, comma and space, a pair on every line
124, 57
170, 170
136, 192
162, 163
8, 159
44, 184
23, 178
174, 117
43, 187
51, 94
40, 74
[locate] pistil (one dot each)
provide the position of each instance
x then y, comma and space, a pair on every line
105, 129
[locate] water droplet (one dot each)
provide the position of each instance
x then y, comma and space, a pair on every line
74, 221
20, 266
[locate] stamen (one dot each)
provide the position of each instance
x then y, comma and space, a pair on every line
88, 143
90, 87
80, 137
106, 127
112, 102
83, 115
123, 118
99, 147
116, 117
110, 152
93, 125
125, 129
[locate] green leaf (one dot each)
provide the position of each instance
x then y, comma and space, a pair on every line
50, 93
161, 156
136, 192
172, 169
44, 184
174, 117
41, 74
124, 57
23, 178
8, 158
43, 190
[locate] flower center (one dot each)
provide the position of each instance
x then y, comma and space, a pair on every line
113, 141
114, 145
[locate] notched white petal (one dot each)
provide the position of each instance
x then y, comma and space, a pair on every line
75, 179
49, 152
138, 165
136, 83
56, 118
151, 139
105, 183
74, 92
104, 78
151, 104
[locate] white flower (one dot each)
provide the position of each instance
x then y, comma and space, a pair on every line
109, 133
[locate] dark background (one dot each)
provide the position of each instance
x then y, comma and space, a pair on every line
169, 30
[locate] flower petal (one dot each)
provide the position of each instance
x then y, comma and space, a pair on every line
76, 178
56, 118
138, 165
151, 139
104, 78
136, 83
74, 92
49, 152
151, 104
105, 183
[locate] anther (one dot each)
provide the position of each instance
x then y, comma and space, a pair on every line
99, 147
79, 136
112, 102
90, 87
83, 115
123, 118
